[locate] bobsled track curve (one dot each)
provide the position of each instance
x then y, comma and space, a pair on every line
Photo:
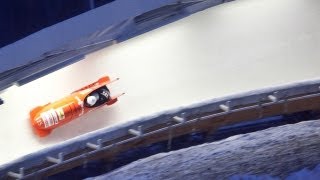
206, 117
241, 46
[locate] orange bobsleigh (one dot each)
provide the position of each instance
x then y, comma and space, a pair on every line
52, 115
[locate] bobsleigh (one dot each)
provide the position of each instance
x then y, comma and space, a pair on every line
45, 118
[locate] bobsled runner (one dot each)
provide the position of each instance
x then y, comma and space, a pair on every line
45, 118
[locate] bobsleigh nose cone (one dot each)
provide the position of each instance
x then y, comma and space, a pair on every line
37, 123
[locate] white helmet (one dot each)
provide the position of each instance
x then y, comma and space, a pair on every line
91, 100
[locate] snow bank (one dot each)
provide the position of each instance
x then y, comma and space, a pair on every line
275, 152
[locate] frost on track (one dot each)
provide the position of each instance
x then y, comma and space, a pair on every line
277, 152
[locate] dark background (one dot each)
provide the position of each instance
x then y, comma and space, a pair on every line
19, 19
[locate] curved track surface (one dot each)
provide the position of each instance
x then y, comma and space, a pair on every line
228, 49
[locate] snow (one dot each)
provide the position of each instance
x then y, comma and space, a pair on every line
272, 153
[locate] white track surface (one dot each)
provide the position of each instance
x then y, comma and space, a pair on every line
235, 47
